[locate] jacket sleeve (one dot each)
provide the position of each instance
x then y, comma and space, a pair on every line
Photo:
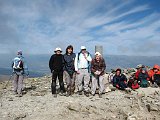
51, 63
92, 66
114, 81
137, 75
76, 63
125, 78
104, 65
89, 58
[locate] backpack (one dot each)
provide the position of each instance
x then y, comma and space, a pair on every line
144, 83
17, 64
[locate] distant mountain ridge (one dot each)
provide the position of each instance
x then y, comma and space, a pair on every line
38, 64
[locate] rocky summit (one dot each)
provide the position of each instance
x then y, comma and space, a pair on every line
38, 103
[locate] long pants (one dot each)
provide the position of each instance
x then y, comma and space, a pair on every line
18, 83
70, 81
97, 81
83, 75
58, 74
122, 85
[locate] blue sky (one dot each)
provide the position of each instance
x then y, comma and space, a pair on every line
123, 27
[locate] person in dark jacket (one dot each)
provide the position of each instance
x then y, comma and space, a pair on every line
98, 67
56, 67
143, 78
120, 80
69, 70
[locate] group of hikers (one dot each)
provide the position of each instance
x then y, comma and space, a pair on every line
85, 71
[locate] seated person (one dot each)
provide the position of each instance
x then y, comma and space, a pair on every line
143, 78
120, 80
132, 83
154, 75
139, 69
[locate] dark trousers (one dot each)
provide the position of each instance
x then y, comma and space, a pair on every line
122, 85
58, 74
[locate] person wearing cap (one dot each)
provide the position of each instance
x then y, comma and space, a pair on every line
82, 64
69, 70
120, 80
56, 67
143, 78
98, 67
139, 69
154, 75
20, 69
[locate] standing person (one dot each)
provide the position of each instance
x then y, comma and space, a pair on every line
120, 80
98, 67
20, 69
56, 67
82, 61
69, 70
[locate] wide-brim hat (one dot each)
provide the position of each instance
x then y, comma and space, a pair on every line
58, 49
98, 53
83, 48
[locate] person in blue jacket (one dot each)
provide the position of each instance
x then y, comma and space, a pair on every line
120, 80
69, 70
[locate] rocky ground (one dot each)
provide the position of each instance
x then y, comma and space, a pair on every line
37, 103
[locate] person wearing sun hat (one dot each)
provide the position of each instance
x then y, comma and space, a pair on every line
82, 68
139, 69
56, 67
98, 67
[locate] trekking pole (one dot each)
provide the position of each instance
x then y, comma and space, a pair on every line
8, 81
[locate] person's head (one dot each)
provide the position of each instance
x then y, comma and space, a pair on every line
140, 66
83, 49
156, 68
144, 70
98, 56
19, 52
118, 71
58, 51
69, 49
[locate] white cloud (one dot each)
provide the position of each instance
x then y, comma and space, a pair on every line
40, 26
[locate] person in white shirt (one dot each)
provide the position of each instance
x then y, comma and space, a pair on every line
82, 63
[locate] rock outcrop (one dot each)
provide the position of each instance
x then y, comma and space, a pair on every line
37, 103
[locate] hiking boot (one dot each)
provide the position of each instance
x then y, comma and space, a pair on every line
80, 92
100, 95
86, 94
68, 94
54, 95
93, 94
62, 93
15, 93
19, 95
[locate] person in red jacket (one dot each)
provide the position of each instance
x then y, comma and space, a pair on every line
154, 75
139, 69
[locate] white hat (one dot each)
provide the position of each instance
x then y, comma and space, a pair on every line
98, 53
83, 47
58, 49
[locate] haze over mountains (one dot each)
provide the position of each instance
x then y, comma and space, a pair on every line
38, 64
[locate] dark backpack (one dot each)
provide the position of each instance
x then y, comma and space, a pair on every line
17, 64
144, 83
